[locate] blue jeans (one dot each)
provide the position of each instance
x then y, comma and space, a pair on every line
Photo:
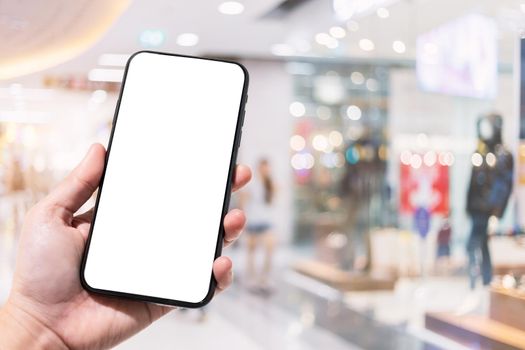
478, 251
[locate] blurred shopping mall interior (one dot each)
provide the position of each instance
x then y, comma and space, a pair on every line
388, 137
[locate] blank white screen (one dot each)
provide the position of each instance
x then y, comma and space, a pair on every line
158, 217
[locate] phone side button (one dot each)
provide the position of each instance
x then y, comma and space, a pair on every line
239, 139
242, 117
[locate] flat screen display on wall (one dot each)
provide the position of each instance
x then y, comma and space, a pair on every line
459, 58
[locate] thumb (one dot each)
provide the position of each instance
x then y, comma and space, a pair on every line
80, 184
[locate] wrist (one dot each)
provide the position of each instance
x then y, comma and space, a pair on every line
20, 330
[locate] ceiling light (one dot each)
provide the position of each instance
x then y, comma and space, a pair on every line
297, 109
447, 158
353, 112
383, 12
335, 138
152, 38
352, 26
357, 78
491, 159
231, 8
110, 59
346, 9
302, 161
338, 32
297, 143
399, 46
320, 142
366, 44
416, 161
430, 158
477, 159
188, 39
102, 74
99, 96
522, 7
323, 38
282, 50
327, 40
405, 157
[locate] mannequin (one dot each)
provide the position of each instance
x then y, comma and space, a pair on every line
488, 194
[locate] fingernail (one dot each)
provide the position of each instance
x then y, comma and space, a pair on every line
234, 238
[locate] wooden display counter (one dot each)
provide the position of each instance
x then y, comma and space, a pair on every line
343, 280
476, 332
509, 268
508, 307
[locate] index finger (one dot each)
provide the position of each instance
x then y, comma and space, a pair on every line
243, 174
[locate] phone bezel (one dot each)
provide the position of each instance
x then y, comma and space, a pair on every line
226, 200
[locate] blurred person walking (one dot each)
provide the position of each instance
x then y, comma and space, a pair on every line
258, 201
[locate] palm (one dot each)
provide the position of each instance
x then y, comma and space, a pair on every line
80, 319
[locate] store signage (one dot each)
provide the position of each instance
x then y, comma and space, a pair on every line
424, 186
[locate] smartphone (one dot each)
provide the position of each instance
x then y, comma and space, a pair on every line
158, 217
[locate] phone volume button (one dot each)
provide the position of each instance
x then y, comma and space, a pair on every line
239, 139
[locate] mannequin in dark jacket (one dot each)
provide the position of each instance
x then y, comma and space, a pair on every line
488, 194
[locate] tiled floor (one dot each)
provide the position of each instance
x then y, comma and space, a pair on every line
292, 318
184, 331
236, 320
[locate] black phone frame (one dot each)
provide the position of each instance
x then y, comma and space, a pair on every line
226, 201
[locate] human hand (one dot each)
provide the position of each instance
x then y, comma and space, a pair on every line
47, 307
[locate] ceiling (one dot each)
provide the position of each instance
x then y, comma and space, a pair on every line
79, 31
38, 35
